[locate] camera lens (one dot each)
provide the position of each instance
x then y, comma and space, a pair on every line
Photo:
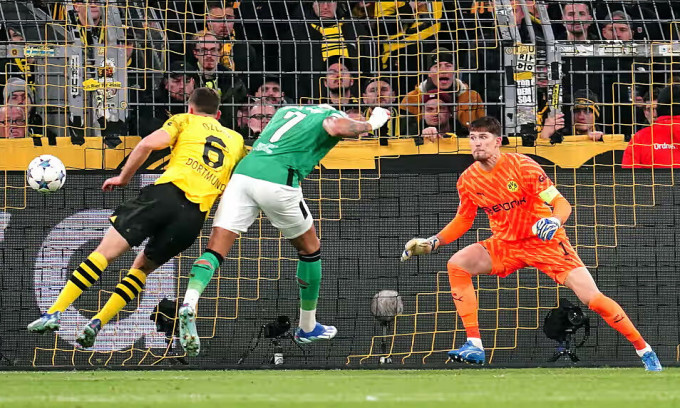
575, 318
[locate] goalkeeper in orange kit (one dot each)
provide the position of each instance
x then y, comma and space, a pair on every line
513, 190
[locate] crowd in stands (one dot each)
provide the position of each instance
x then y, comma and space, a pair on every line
434, 64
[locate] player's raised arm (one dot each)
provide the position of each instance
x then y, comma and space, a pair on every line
346, 127
158, 140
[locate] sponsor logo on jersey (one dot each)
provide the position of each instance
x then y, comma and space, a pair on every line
265, 147
206, 173
507, 206
513, 186
664, 146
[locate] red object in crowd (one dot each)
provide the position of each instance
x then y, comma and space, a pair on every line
657, 146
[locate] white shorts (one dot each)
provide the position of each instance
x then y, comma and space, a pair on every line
245, 196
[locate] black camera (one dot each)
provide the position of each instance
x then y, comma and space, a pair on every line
561, 324
164, 316
277, 328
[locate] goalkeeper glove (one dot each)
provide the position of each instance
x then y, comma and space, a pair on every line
379, 117
545, 228
419, 246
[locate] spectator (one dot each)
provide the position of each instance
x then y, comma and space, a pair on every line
86, 11
94, 32
259, 116
212, 74
411, 28
520, 9
168, 99
437, 112
12, 122
468, 103
236, 55
649, 109
18, 67
577, 18
18, 93
379, 92
658, 145
617, 27
584, 113
338, 84
270, 92
324, 34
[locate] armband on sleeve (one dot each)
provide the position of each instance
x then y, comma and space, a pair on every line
549, 194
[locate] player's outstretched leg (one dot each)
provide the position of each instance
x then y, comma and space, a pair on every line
581, 282
188, 336
465, 299
614, 315
83, 277
201, 273
87, 337
128, 289
48, 322
309, 282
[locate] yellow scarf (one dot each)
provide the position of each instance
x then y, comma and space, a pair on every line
228, 59
333, 44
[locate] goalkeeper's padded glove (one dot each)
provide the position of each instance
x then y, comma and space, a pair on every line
419, 246
379, 117
545, 228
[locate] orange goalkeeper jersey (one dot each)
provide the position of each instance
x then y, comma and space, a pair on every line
513, 195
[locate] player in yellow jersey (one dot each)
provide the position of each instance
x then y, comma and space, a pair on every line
170, 212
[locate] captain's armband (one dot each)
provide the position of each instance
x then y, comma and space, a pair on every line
549, 194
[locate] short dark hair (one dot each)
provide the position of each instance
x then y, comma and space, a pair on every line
652, 95
205, 100
370, 80
219, 4
668, 103
486, 124
572, 3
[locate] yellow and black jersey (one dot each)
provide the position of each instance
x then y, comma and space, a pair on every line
204, 154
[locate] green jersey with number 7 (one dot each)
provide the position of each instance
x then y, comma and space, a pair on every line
291, 145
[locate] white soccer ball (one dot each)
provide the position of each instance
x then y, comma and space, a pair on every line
46, 174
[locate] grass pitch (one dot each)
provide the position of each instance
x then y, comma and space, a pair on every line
507, 388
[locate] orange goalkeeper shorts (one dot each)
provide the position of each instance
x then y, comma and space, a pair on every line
556, 258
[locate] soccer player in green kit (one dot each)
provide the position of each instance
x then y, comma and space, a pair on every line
268, 179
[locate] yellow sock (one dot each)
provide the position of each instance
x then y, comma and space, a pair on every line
131, 285
82, 278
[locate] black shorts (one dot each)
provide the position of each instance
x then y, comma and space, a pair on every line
163, 214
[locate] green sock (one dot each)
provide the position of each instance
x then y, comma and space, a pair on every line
309, 281
201, 272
